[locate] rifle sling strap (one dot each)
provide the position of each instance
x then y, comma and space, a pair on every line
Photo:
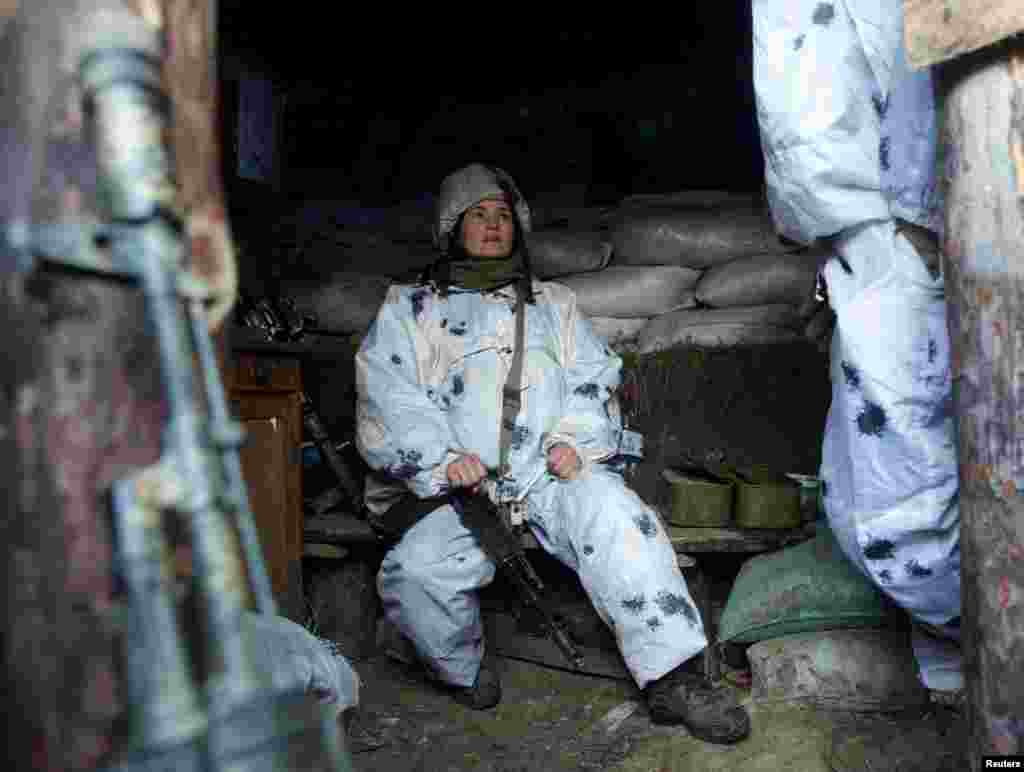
392, 524
512, 391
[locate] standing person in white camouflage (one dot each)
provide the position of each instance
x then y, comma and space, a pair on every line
850, 142
430, 375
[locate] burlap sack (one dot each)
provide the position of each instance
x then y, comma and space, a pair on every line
717, 328
631, 292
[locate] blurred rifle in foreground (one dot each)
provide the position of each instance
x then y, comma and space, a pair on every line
195, 699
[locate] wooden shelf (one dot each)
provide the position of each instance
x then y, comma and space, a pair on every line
254, 340
338, 528
265, 394
691, 540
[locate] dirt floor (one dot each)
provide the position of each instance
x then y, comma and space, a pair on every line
554, 719
550, 719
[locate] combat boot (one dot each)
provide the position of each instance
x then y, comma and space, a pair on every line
485, 692
710, 712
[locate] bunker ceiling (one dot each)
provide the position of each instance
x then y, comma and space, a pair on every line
380, 110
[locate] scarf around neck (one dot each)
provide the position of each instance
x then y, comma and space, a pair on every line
477, 274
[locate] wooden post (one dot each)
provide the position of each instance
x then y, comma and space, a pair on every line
983, 143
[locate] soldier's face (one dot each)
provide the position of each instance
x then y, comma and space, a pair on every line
488, 230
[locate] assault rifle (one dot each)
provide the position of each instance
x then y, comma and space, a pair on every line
196, 700
499, 540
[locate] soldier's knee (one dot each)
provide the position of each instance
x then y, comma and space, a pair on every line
408, 565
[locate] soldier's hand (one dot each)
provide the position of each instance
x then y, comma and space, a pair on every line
818, 329
466, 471
563, 461
817, 317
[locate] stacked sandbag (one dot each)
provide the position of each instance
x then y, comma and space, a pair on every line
344, 297
761, 280
721, 327
808, 587
752, 283
706, 199
343, 303
556, 253
634, 292
844, 670
690, 268
695, 237
819, 632
621, 334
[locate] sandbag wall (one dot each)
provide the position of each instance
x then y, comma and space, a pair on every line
696, 268
687, 287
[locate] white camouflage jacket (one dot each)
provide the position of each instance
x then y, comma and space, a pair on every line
430, 374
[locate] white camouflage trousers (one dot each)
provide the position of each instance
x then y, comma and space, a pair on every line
596, 526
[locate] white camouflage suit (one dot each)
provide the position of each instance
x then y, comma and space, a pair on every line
850, 140
430, 375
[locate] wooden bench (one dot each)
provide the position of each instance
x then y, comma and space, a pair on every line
336, 536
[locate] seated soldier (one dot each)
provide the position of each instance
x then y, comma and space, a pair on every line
430, 376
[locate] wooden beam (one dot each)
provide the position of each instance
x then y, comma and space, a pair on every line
983, 141
694, 540
938, 30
